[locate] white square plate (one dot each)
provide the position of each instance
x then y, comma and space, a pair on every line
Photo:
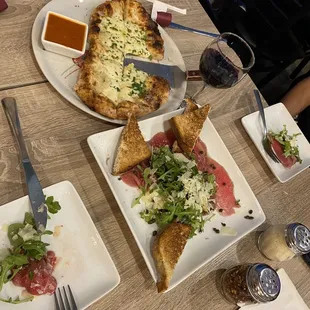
84, 263
277, 116
203, 247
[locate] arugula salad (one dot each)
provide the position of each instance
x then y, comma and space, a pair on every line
25, 245
288, 143
174, 190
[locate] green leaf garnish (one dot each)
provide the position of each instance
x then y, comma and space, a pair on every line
288, 142
164, 193
53, 206
17, 300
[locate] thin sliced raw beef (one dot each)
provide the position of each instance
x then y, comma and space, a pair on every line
163, 139
287, 162
224, 198
134, 177
36, 277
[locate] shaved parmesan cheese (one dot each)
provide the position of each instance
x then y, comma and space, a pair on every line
5, 227
27, 233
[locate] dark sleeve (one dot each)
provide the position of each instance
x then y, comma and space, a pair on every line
304, 122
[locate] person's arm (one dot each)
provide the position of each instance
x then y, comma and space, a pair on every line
298, 98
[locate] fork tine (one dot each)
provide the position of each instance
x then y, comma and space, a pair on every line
273, 155
56, 301
66, 299
269, 151
61, 300
74, 307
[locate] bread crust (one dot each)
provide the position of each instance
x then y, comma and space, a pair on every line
136, 13
132, 148
167, 249
156, 94
156, 88
187, 127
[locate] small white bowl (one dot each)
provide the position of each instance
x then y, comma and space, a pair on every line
59, 48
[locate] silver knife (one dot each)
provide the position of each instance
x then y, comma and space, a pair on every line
166, 71
173, 74
36, 196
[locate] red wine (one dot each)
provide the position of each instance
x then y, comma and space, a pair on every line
216, 70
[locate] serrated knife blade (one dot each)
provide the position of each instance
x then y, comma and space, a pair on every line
36, 196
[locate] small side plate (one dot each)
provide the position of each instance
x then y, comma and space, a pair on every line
277, 116
84, 261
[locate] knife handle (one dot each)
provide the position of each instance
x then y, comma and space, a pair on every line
10, 109
193, 75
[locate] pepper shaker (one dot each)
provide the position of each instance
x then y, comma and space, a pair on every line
250, 284
283, 242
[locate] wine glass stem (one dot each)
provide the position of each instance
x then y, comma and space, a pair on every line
199, 91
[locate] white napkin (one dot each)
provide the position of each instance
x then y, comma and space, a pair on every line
159, 6
289, 299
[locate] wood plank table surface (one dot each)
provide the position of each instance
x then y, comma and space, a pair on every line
56, 133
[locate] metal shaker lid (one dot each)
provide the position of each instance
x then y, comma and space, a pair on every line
298, 238
263, 283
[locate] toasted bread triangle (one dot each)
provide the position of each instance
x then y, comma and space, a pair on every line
132, 148
187, 127
167, 249
190, 105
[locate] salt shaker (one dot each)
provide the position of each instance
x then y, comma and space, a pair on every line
250, 284
283, 242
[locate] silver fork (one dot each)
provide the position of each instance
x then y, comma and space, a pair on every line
63, 303
266, 141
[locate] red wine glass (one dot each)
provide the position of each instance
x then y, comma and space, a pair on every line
225, 61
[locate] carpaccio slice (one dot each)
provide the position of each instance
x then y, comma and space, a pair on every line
163, 139
225, 200
287, 162
36, 277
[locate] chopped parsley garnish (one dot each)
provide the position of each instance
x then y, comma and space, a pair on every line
114, 45
288, 143
138, 88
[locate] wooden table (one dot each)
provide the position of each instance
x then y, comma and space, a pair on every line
56, 132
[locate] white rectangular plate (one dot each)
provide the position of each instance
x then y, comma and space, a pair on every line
277, 116
85, 263
203, 247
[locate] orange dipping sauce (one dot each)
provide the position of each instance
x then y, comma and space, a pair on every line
65, 32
